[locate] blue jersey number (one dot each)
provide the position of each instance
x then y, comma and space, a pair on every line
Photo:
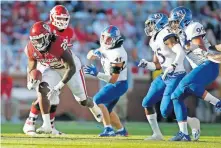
159, 54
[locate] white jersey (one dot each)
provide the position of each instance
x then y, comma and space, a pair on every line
164, 54
193, 30
114, 56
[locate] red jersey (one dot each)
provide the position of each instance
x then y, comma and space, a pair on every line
52, 57
66, 33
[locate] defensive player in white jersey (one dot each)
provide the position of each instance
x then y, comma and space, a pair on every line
59, 66
114, 61
204, 72
168, 56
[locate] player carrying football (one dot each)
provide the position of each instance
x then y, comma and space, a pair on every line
114, 61
204, 71
59, 21
59, 66
168, 56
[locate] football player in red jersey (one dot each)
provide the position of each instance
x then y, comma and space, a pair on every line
59, 66
59, 21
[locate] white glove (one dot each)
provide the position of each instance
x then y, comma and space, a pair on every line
148, 65
54, 92
169, 70
32, 84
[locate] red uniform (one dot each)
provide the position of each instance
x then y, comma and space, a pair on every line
66, 33
52, 58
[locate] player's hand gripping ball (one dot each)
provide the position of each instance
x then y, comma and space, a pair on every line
35, 77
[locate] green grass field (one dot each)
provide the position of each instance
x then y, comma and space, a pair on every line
84, 134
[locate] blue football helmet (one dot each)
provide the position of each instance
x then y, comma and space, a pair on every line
180, 17
109, 37
154, 23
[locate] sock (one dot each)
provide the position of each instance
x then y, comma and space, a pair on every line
34, 112
121, 129
52, 116
107, 126
95, 109
52, 121
46, 120
183, 127
180, 110
153, 123
211, 99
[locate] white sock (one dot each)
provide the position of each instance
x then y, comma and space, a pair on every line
121, 129
153, 123
46, 120
211, 99
183, 127
108, 126
95, 109
32, 115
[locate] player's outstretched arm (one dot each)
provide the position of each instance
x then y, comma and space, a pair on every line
152, 66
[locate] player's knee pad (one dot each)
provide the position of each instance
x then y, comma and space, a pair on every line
85, 102
164, 112
43, 88
53, 108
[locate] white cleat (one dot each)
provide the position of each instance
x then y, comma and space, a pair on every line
96, 111
194, 124
154, 137
44, 130
29, 127
56, 132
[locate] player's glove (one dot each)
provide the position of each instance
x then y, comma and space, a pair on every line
169, 70
148, 65
54, 92
32, 84
91, 70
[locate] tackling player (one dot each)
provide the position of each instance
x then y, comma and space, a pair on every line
59, 66
114, 61
204, 71
59, 21
168, 56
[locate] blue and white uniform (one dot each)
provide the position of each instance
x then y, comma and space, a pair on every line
110, 93
162, 89
204, 71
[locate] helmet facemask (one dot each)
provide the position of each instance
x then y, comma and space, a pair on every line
107, 41
149, 28
61, 21
41, 41
175, 26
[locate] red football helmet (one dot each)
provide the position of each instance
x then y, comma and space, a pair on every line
40, 36
59, 17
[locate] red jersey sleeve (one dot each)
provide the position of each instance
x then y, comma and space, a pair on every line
29, 51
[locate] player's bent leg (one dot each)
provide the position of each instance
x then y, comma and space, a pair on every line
52, 120
153, 96
45, 107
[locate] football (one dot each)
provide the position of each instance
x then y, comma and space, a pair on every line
36, 74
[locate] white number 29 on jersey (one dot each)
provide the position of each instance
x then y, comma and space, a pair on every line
64, 45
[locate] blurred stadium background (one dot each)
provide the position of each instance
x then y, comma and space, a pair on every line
88, 19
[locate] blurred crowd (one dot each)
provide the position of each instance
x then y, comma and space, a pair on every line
88, 19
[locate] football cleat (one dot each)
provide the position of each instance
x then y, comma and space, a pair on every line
29, 127
54, 130
181, 137
196, 134
154, 137
218, 106
108, 132
123, 133
44, 130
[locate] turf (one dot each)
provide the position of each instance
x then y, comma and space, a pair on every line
84, 134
